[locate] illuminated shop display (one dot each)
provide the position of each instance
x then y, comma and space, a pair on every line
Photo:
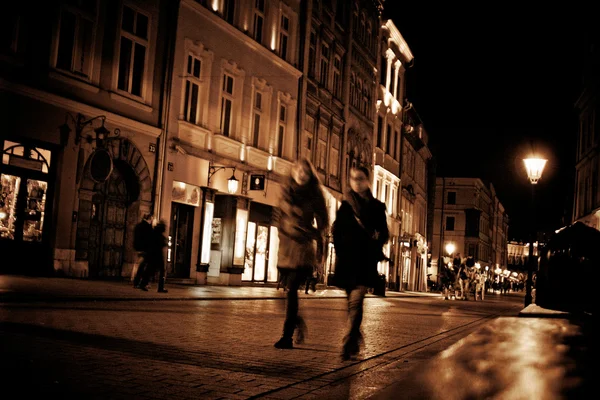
22, 192
8, 200
33, 220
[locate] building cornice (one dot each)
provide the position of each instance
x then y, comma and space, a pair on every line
78, 107
397, 38
248, 41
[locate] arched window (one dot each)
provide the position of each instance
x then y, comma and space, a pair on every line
23, 156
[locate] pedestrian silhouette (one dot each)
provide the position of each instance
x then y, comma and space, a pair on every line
155, 258
359, 232
141, 240
301, 244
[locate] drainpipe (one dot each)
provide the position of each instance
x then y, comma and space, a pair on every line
441, 231
305, 29
161, 141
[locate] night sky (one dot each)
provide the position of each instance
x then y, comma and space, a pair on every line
491, 85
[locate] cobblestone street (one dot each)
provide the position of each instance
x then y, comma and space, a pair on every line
223, 348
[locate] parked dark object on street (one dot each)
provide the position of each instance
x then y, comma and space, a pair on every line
566, 277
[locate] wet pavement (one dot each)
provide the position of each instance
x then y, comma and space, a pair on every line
88, 339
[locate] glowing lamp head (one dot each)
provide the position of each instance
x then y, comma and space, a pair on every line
232, 184
535, 168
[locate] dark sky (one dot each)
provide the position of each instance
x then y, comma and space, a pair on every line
491, 85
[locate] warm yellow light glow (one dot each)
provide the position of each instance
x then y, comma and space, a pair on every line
239, 249
477, 265
273, 36
535, 168
232, 184
207, 232
450, 247
3, 215
215, 5
270, 163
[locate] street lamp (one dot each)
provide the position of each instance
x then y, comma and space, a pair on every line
232, 183
450, 247
535, 168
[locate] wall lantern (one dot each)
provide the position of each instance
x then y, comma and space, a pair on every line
101, 133
232, 183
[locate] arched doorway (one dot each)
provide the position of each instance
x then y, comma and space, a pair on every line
109, 210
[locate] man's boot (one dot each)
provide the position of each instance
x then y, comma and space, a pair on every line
161, 285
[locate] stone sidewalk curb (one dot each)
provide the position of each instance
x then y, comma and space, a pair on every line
17, 289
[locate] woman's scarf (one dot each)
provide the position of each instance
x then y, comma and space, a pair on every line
358, 204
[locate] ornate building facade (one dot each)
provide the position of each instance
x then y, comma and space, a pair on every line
81, 85
232, 118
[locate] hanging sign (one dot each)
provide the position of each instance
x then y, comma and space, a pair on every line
257, 182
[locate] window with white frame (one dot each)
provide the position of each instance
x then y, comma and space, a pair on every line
284, 36
324, 64
133, 51
394, 201
259, 20
383, 70
257, 113
76, 33
322, 146
334, 157
337, 76
192, 89
309, 134
281, 130
384, 198
227, 104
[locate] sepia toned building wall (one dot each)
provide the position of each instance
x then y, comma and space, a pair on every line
586, 201
66, 71
233, 104
469, 216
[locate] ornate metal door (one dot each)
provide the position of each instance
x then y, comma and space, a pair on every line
107, 228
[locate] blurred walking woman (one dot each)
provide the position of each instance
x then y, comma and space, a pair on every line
301, 245
359, 232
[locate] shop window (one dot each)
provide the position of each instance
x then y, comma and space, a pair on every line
34, 210
8, 200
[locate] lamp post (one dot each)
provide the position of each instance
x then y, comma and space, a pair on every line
535, 168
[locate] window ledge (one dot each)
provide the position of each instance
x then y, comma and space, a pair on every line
59, 76
130, 102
